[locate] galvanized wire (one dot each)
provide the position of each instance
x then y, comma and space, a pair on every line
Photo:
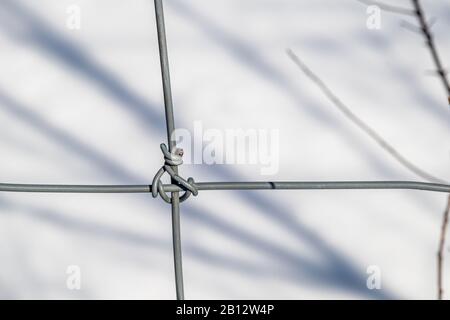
191, 186
211, 186
170, 125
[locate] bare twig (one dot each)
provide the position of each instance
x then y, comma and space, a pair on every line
425, 28
441, 251
383, 144
411, 27
350, 115
426, 31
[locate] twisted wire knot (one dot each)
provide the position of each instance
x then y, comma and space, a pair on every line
172, 159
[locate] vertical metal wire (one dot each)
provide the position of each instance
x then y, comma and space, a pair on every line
170, 124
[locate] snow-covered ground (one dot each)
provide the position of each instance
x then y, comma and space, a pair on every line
86, 107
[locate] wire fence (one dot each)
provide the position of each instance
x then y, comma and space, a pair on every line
173, 155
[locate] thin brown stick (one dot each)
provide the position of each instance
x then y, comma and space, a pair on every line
441, 252
431, 44
350, 115
424, 28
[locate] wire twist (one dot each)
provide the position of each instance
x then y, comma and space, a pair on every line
172, 159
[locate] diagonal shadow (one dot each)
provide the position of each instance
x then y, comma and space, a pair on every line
251, 59
47, 40
335, 271
64, 139
20, 23
418, 94
315, 274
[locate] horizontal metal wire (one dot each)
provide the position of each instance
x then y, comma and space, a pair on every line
281, 185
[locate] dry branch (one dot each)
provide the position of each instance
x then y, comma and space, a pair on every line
350, 115
441, 251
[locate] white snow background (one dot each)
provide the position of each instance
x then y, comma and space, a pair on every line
86, 107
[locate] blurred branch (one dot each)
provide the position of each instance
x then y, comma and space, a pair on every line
387, 147
426, 31
350, 115
441, 251
411, 27
424, 28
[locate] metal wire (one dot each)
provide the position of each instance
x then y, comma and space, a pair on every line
170, 125
210, 186
170, 160
175, 187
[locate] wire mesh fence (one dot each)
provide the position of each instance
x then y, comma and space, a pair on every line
180, 189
